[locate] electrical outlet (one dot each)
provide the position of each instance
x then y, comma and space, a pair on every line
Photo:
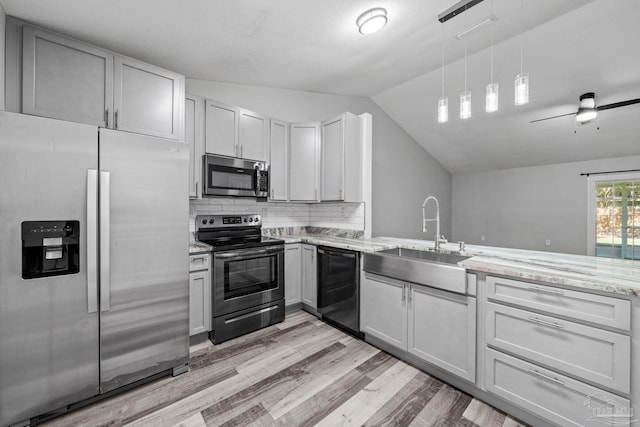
547, 242
482, 238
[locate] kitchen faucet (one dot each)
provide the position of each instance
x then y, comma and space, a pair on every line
439, 239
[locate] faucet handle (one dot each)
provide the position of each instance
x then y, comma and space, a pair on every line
442, 239
461, 248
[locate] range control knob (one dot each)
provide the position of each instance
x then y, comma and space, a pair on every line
245, 220
204, 221
211, 221
250, 219
256, 219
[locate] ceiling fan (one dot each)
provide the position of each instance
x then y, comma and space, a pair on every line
587, 111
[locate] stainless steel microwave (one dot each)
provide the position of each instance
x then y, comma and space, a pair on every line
230, 176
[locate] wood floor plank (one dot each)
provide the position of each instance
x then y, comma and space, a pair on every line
484, 415
255, 416
365, 403
195, 420
321, 376
445, 408
241, 401
405, 405
301, 372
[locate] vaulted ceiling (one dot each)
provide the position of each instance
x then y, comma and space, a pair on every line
570, 47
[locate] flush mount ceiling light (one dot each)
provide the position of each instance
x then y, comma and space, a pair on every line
587, 110
372, 20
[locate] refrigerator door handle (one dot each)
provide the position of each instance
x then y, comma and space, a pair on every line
92, 240
105, 289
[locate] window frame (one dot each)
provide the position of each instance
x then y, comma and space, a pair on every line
592, 184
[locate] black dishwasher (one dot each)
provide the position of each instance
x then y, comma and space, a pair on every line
339, 288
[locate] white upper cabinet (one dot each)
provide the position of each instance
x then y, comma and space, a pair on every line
194, 136
279, 155
304, 162
65, 79
69, 80
253, 140
341, 161
236, 132
221, 129
147, 99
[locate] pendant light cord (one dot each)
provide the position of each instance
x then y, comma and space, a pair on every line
492, 34
442, 26
465, 51
521, 34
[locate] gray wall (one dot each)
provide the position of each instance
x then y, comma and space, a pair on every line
403, 172
2, 37
521, 208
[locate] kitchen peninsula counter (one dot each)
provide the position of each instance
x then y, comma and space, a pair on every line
586, 272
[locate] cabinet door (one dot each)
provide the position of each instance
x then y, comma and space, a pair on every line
309, 276
442, 330
384, 308
194, 136
252, 135
304, 161
65, 79
279, 155
292, 274
147, 99
221, 136
199, 302
332, 159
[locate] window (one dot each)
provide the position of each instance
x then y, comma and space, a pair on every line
614, 216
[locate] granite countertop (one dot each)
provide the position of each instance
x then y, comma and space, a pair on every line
196, 247
588, 272
360, 245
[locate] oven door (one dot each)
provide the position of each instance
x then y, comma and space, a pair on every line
244, 278
230, 177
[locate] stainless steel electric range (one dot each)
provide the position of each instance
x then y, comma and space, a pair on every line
248, 274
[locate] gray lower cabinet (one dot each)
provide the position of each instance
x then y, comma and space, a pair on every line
199, 293
292, 274
436, 326
384, 309
551, 395
309, 276
70, 80
442, 330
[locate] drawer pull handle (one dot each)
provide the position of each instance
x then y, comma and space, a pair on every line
546, 291
546, 377
199, 259
546, 323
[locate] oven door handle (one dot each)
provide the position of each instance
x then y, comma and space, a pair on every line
244, 254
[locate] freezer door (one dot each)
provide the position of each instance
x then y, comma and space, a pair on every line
48, 325
144, 226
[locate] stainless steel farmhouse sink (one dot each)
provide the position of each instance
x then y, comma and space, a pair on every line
435, 269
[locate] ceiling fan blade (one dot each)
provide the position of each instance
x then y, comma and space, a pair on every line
618, 104
552, 117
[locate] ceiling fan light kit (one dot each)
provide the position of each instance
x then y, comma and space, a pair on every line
372, 20
587, 110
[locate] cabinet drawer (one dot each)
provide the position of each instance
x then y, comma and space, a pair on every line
594, 354
198, 262
553, 396
602, 310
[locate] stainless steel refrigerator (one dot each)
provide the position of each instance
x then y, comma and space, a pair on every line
93, 262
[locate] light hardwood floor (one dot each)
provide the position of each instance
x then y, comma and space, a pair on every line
301, 372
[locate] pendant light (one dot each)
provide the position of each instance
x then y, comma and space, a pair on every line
465, 97
443, 102
522, 79
491, 98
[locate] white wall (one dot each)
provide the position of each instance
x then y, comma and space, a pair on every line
403, 172
2, 42
521, 208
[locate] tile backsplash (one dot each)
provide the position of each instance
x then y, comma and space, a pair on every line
274, 214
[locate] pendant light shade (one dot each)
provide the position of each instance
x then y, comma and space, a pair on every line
491, 104
522, 89
443, 110
465, 105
